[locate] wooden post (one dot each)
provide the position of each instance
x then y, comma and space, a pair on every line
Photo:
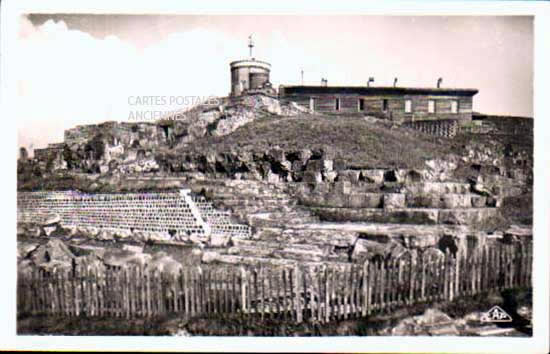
298, 297
311, 293
249, 294
285, 298
233, 291
457, 273
292, 294
148, 300
339, 291
354, 287
446, 275
423, 280
226, 289
214, 286
383, 267
243, 290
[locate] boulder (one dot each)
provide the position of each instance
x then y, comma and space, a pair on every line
34, 231
351, 176
158, 236
48, 230
53, 250
25, 249
122, 234
106, 235
360, 251
195, 240
209, 257
218, 240
372, 176
330, 176
312, 177
120, 258
481, 189
394, 201
432, 322
132, 248
272, 177
55, 266
369, 248
90, 231
86, 250
51, 220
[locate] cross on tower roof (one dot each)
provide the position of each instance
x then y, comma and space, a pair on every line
250, 44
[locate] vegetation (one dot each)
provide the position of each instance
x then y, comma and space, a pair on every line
356, 141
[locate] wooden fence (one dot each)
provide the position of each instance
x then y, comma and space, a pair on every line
321, 293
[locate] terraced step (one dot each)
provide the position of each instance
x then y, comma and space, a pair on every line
382, 200
427, 216
446, 201
440, 188
279, 219
392, 230
300, 235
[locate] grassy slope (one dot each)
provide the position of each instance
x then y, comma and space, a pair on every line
358, 142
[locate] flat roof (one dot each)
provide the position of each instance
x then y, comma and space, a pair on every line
249, 62
379, 90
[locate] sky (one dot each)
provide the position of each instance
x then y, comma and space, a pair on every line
85, 69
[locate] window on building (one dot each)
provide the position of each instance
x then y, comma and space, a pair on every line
408, 106
384, 105
454, 106
431, 106
361, 104
337, 104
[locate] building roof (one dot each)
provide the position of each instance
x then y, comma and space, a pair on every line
250, 62
378, 90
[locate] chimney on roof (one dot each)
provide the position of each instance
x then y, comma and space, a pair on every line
324, 82
394, 82
439, 81
371, 79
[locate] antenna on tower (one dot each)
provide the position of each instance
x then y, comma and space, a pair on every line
302, 72
250, 44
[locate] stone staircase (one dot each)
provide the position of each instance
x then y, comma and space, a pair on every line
348, 219
256, 203
276, 219
425, 202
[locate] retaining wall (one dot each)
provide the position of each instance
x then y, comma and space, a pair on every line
169, 212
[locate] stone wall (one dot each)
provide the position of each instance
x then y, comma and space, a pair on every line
171, 213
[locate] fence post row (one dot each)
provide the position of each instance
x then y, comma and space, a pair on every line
317, 294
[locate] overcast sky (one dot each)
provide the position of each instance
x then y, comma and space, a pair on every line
79, 69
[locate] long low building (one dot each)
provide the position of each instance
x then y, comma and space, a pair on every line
400, 104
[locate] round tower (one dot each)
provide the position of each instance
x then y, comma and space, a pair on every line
248, 74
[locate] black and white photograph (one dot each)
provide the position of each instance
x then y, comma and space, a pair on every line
276, 175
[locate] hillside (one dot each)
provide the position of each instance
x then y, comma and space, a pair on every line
359, 142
